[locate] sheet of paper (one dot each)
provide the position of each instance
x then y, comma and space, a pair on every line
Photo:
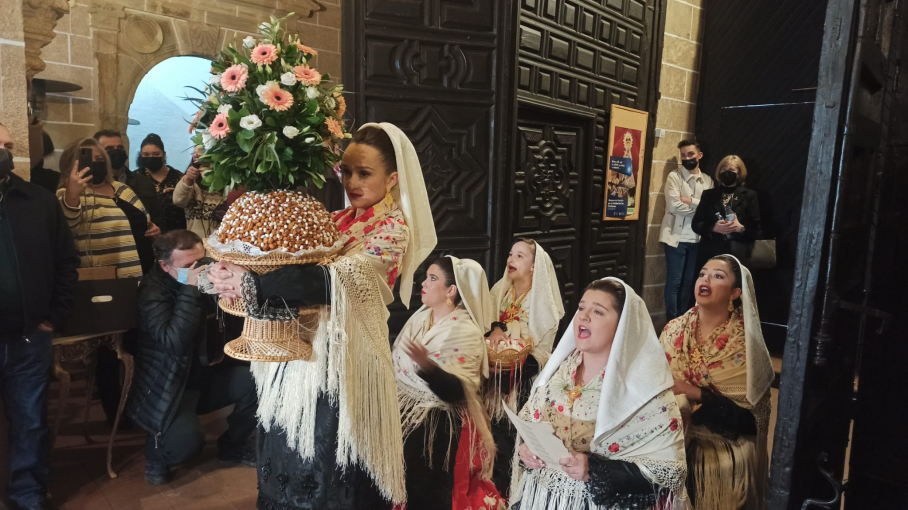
540, 439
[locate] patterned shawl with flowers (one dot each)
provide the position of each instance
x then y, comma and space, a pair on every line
455, 344
722, 479
379, 233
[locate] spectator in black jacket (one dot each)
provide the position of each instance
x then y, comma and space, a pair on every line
173, 384
45, 177
718, 234
37, 273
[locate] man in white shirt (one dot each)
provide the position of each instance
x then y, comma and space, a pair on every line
682, 195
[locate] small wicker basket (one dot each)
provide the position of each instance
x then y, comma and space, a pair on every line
507, 359
266, 340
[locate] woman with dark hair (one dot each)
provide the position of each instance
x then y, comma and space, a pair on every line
155, 181
723, 370
440, 360
728, 216
606, 392
329, 427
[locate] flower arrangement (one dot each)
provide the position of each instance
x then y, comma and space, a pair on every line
269, 121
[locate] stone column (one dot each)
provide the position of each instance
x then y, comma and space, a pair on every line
13, 88
40, 18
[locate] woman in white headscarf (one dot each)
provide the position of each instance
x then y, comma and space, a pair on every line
330, 433
606, 391
722, 368
529, 309
440, 360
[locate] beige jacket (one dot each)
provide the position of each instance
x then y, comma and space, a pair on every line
199, 206
678, 215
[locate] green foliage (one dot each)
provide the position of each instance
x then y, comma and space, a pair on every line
258, 148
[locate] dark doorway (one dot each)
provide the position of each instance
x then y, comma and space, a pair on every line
757, 90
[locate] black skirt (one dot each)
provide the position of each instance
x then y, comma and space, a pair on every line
287, 482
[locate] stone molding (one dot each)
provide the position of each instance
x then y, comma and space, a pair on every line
39, 18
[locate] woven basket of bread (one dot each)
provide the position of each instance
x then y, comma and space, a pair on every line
507, 359
264, 232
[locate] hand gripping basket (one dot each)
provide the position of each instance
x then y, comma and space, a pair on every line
273, 340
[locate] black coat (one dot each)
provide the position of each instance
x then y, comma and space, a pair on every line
172, 321
745, 205
45, 252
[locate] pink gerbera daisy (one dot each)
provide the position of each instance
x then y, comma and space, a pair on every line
305, 49
219, 127
264, 54
335, 128
277, 98
234, 78
306, 75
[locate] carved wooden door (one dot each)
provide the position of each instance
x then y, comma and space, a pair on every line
576, 58
439, 70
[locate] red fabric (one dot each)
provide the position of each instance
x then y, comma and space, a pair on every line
470, 490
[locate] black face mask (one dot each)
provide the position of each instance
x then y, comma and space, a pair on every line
117, 157
6, 164
98, 172
153, 164
728, 177
690, 164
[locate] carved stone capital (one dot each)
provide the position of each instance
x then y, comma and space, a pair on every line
39, 19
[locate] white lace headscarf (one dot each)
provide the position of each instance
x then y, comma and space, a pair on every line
544, 305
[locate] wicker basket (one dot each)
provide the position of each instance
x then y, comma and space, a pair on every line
276, 341
507, 359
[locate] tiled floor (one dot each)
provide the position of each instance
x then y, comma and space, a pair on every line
79, 473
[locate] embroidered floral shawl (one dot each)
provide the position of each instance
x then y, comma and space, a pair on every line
380, 233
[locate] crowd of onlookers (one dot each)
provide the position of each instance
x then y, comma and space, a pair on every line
104, 214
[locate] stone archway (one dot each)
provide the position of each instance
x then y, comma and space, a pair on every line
128, 43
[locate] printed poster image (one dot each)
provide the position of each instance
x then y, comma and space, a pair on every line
624, 166
625, 161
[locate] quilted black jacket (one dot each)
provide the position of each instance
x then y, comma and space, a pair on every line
172, 320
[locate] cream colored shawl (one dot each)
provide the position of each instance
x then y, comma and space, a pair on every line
457, 345
411, 194
636, 384
543, 304
351, 365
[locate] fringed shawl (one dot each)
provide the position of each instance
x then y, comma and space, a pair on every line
351, 365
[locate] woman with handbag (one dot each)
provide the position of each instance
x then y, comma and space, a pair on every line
728, 217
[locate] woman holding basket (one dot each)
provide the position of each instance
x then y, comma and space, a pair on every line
330, 432
529, 307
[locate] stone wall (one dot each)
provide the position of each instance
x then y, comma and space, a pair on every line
13, 87
676, 115
107, 46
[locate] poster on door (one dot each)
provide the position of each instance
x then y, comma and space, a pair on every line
626, 145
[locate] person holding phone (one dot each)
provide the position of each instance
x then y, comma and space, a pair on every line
156, 181
111, 227
200, 204
175, 381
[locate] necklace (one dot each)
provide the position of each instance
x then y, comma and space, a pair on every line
431, 319
512, 312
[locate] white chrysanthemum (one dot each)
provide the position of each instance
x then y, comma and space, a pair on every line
291, 132
249, 42
250, 122
312, 92
288, 79
208, 141
224, 108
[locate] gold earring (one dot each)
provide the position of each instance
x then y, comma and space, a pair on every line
450, 303
731, 306
389, 198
